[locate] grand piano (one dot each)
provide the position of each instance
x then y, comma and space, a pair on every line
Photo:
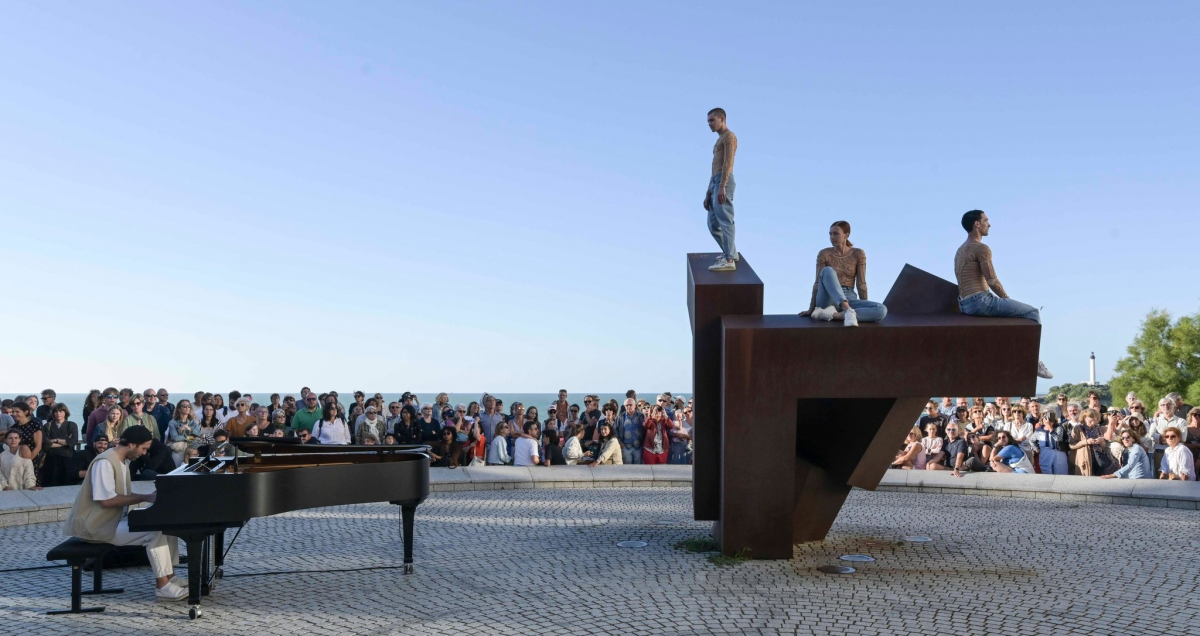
257, 477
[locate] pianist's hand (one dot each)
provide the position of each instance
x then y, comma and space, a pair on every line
150, 497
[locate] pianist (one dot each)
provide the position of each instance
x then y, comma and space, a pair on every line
99, 511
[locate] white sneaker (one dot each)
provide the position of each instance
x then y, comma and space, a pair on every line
178, 581
828, 312
1043, 372
737, 257
170, 593
818, 314
850, 318
722, 265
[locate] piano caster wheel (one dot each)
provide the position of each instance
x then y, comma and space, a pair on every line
195, 613
408, 568
220, 573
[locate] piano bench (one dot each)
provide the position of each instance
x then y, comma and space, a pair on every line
76, 552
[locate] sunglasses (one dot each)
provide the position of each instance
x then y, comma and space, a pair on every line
1127, 439
110, 396
1170, 437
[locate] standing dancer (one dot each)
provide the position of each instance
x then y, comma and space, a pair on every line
718, 199
839, 269
979, 290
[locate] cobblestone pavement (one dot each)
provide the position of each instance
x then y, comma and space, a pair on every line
545, 562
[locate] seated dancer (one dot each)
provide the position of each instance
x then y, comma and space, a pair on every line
839, 269
99, 511
979, 290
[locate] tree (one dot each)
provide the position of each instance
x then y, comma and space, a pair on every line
1079, 392
1164, 358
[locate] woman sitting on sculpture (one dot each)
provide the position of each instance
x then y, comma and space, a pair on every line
840, 269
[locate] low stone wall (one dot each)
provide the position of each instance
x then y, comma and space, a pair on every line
23, 507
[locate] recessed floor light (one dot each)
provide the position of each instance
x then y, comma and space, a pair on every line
632, 544
836, 569
857, 558
917, 538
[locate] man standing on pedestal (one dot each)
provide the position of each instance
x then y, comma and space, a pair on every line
718, 199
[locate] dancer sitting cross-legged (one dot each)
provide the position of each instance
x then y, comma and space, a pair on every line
839, 270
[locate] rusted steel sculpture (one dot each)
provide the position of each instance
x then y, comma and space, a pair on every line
791, 413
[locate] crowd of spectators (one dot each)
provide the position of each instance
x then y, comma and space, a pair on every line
44, 446
1066, 437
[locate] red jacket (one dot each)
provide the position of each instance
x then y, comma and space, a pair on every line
652, 426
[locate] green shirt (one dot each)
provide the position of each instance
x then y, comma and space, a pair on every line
303, 419
145, 419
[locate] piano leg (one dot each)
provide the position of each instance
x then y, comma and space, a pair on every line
205, 564
407, 512
219, 553
195, 547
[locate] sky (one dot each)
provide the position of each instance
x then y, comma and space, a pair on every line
470, 196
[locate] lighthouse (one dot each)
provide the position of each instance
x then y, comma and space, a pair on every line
1092, 372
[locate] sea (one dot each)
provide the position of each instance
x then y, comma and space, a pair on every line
74, 401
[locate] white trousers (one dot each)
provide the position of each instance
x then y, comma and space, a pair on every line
158, 547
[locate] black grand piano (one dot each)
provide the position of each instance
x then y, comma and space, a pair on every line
198, 501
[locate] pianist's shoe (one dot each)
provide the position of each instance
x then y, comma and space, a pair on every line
178, 581
170, 593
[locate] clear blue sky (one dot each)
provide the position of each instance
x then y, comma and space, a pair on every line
499, 196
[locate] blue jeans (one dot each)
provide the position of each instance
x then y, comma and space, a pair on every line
631, 455
830, 292
679, 453
985, 303
720, 215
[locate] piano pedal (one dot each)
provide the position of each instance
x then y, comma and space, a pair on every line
195, 612
408, 568
219, 573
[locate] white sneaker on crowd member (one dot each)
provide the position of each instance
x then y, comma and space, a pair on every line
850, 318
170, 593
723, 265
818, 314
1043, 372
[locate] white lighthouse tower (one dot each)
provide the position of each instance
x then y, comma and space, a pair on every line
1092, 373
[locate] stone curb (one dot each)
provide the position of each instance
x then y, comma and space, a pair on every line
1150, 493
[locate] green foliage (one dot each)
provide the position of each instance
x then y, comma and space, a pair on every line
721, 560
703, 544
1164, 357
1079, 392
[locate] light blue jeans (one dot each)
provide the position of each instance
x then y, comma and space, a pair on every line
720, 215
830, 292
985, 303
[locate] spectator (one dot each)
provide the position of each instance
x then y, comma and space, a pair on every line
1135, 463
1088, 452
1021, 430
165, 402
371, 424
83, 458
933, 415
490, 417
160, 413
498, 449
913, 455
43, 412
681, 438
932, 444
108, 399
610, 448
154, 462
525, 452
1181, 408
958, 453
331, 429
573, 451
111, 426
307, 417
62, 436
137, 416
962, 417
553, 452
655, 444
209, 425
1093, 399
223, 412
1192, 432
980, 435
557, 419
1051, 441
440, 404
405, 428
1165, 418
16, 472
1034, 416
474, 444
631, 432
431, 431
90, 403
445, 452
32, 445
1177, 461
947, 408
1060, 406
241, 420
1009, 458
182, 431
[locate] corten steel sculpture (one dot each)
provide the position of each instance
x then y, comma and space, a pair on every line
791, 413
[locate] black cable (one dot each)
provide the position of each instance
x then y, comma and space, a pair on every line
378, 567
37, 567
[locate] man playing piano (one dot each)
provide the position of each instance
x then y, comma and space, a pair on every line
99, 511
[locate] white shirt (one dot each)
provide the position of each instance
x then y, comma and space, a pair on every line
16, 472
525, 452
335, 432
104, 481
572, 451
224, 414
1156, 426
1178, 461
